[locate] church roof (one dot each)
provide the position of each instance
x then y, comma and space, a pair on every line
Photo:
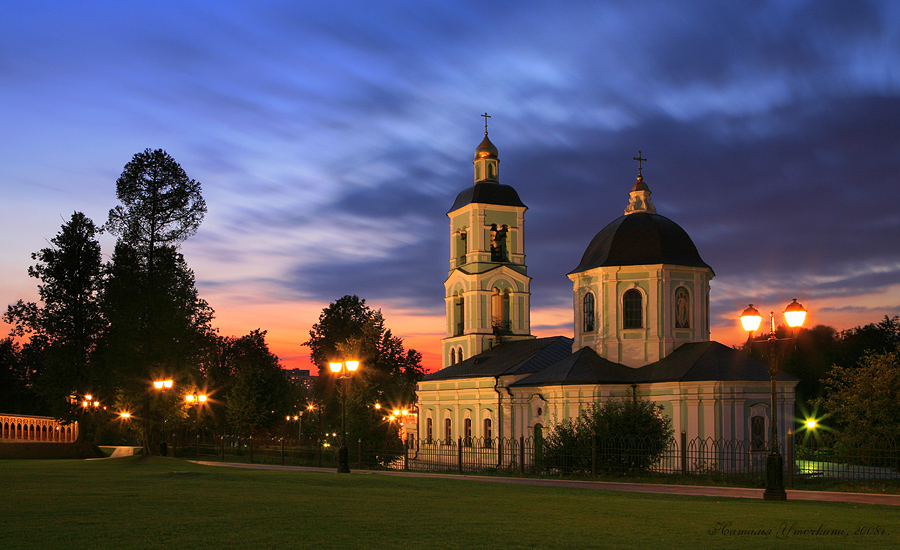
582, 367
641, 238
511, 358
706, 361
488, 193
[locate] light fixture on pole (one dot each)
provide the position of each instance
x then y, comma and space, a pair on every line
162, 385
344, 371
196, 400
794, 315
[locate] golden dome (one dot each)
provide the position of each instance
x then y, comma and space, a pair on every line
486, 149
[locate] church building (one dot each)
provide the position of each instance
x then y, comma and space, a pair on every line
640, 301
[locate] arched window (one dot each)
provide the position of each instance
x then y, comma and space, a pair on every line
682, 308
460, 316
488, 435
459, 355
587, 312
500, 317
632, 309
429, 430
448, 432
452, 356
467, 432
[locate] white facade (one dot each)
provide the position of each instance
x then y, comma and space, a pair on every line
636, 315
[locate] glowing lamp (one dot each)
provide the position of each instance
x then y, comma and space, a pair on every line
189, 398
89, 397
378, 406
85, 404
396, 412
335, 367
202, 398
751, 319
794, 314
352, 365
287, 418
405, 412
125, 416
811, 424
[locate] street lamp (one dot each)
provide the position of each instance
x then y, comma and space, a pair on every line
344, 371
298, 418
162, 385
196, 400
794, 315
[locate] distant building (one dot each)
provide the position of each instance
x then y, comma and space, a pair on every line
302, 378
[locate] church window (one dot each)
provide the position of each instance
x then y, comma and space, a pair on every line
500, 312
682, 308
490, 170
488, 435
498, 243
467, 432
758, 433
452, 356
459, 355
448, 432
632, 309
429, 430
460, 317
461, 247
587, 311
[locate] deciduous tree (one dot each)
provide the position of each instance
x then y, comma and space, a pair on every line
349, 329
863, 399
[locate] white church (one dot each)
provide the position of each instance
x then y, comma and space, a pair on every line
640, 300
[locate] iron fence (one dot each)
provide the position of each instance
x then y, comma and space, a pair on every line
805, 456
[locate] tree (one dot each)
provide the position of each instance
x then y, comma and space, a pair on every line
349, 329
864, 399
156, 330
69, 322
20, 367
156, 318
258, 392
623, 435
161, 206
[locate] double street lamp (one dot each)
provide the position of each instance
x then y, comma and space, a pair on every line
196, 400
344, 370
162, 385
794, 315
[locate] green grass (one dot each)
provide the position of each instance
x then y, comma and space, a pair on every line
139, 502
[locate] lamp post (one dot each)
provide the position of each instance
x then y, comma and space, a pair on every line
794, 315
298, 418
344, 370
163, 385
196, 400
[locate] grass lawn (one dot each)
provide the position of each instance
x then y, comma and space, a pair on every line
138, 502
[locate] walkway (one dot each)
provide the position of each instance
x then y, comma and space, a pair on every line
695, 490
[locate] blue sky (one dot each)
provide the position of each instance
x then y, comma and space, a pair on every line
331, 138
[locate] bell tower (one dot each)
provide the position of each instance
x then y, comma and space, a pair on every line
488, 290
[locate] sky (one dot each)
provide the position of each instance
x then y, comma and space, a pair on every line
331, 138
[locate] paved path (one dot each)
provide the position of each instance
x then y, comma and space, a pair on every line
695, 490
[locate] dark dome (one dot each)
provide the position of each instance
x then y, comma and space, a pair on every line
641, 239
488, 193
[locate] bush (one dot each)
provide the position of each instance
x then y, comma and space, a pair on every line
619, 436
